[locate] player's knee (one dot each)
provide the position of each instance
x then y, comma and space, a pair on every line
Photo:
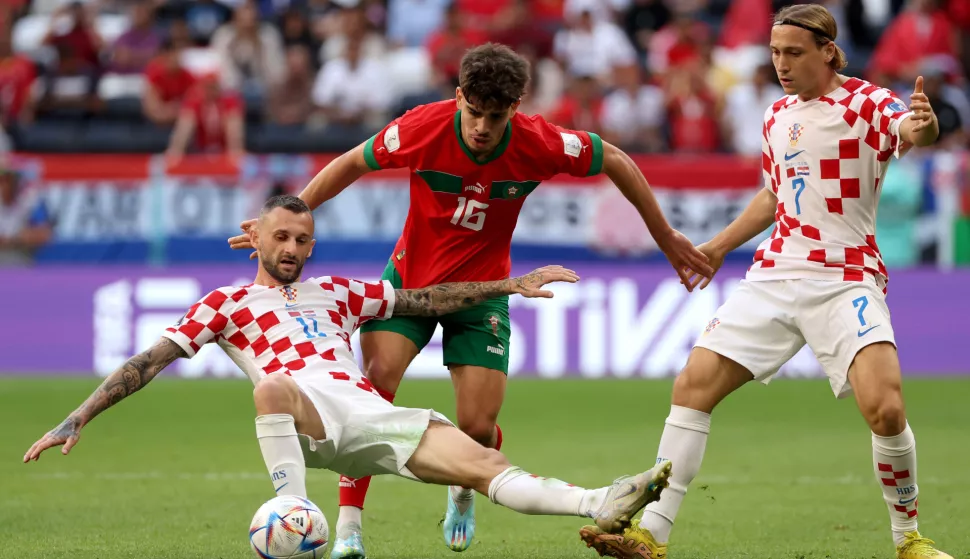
479, 429
888, 418
690, 390
383, 373
490, 464
276, 393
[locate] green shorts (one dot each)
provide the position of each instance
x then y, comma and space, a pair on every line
478, 336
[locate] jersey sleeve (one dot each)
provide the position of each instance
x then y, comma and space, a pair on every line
574, 152
883, 134
392, 147
359, 302
204, 321
769, 170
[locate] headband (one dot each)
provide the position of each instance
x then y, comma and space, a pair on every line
805, 27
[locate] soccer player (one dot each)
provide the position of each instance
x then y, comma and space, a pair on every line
819, 279
315, 409
473, 162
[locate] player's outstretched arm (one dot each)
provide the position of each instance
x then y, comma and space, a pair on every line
446, 298
330, 181
630, 181
759, 214
128, 379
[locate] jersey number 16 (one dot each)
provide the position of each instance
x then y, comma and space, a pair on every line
470, 214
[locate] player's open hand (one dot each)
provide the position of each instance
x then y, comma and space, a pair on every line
714, 258
923, 116
685, 258
67, 434
243, 241
530, 285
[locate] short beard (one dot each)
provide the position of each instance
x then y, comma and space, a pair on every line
277, 275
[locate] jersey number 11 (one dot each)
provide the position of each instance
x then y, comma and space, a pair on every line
468, 214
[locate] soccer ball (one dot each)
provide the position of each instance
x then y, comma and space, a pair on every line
289, 527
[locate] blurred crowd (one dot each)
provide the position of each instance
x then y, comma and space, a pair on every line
648, 75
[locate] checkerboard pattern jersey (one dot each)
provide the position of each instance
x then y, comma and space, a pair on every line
824, 160
272, 329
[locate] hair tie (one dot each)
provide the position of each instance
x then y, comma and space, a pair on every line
805, 27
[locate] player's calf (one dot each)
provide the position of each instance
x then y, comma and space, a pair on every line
281, 412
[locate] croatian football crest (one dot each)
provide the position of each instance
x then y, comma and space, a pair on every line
289, 293
711, 325
794, 133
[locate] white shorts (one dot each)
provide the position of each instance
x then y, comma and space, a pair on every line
366, 435
763, 324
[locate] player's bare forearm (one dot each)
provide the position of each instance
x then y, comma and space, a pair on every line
630, 181
755, 218
335, 176
445, 298
125, 381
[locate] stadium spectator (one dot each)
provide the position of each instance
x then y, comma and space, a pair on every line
745, 107
354, 26
180, 34
899, 209
250, 52
590, 48
351, 89
295, 28
447, 45
17, 75
601, 10
525, 27
73, 79
289, 101
133, 50
945, 100
678, 43
24, 222
166, 85
692, 111
633, 113
204, 17
210, 121
921, 31
411, 22
642, 19
580, 107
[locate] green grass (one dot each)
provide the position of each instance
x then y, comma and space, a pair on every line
176, 472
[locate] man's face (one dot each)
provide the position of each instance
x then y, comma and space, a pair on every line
482, 127
283, 241
799, 62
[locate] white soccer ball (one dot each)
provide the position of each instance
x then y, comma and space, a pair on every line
289, 527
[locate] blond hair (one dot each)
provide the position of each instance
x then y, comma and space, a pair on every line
818, 20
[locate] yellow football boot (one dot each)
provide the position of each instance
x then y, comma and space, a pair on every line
634, 543
916, 546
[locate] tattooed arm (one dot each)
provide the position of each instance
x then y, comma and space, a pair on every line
128, 379
446, 298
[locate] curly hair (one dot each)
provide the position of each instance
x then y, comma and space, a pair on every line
493, 75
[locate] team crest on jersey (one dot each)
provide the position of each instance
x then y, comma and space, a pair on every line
711, 325
289, 293
794, 133
513, 190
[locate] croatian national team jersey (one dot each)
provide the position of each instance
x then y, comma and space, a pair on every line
824, 160
459, 226
300, 327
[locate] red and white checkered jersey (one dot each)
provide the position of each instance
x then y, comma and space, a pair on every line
824, 160
303, 326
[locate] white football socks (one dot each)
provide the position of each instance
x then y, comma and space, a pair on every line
894, 461
282, 453
683, 442
529, 494
349, 520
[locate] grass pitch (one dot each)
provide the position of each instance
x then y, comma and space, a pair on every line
175, 472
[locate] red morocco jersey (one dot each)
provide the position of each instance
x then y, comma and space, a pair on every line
463, 212
824, 160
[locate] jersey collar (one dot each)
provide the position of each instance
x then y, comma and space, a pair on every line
499, 150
